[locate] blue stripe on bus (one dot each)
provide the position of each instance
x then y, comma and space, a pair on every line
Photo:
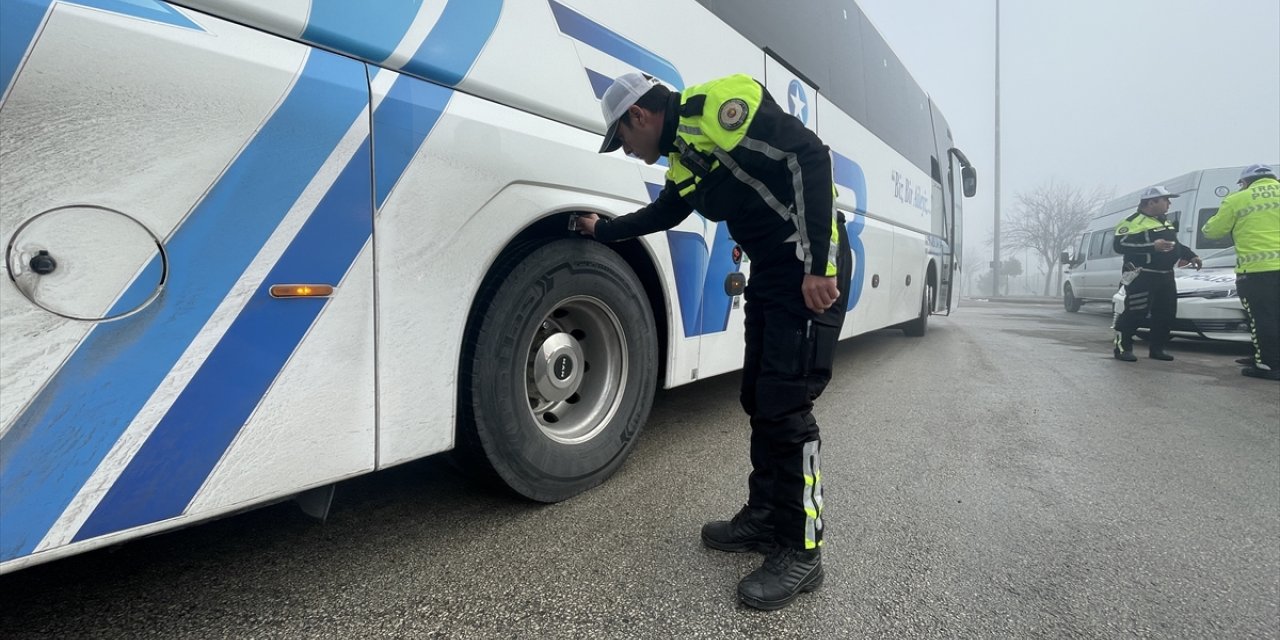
689, 269
689, 263
716, 304
58, 441
172, 465
400, 125
153, 10
855, 227
599, 82
455, 41
848, 173
169, 470
591, 33
358, 29
19, 20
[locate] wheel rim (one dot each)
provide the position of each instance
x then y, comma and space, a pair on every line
576, 369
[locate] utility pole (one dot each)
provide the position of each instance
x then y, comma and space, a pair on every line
995, 256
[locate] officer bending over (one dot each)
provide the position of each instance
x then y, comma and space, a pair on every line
735, 156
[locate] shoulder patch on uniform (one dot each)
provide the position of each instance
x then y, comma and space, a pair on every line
733, 113
1122, 230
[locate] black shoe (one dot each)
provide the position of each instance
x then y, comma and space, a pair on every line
1254, 372
1127, 356
1245, 361
749, 530
1159, 354
786, 574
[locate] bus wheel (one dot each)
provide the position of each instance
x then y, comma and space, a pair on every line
559, 372
919, 326
1069, 300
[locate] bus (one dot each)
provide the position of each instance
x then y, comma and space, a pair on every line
256, 248
1092, 268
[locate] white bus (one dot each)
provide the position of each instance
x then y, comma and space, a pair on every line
255, 248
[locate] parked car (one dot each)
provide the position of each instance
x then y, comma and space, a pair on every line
1208, 303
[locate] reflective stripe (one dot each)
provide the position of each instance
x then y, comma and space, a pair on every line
833, 249
1155, 270
1256, 208
812, 495
763, 191
1253, 330
797, 187
1246, 258
693, 131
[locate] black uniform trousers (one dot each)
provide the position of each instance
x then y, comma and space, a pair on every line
1260, 294
787, 364
1154, 294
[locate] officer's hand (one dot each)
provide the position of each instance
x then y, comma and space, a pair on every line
820, 292
1164, 246
1197, 263
587, 224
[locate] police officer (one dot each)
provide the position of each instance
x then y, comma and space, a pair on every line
734, 155
1149, 243
1252, 217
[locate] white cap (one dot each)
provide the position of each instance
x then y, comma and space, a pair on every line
1157, 192
1254, 171
624, 92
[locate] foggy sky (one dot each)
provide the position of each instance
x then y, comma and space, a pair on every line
1113, 93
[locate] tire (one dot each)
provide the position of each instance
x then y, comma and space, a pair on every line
918, 327
1069, 300
558, 375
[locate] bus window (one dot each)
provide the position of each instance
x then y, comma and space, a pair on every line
1202, 242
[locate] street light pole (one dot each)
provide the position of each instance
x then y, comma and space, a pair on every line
995, 256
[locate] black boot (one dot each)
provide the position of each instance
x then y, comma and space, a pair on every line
1265, 374
749, 530
1127, 356
786, 574
1157, 353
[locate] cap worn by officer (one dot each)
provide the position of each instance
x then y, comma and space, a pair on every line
624, 92
1255, 171
1157, 192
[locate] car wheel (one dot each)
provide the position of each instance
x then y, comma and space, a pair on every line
1069, 300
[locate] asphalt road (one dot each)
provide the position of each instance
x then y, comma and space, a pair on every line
1002, 477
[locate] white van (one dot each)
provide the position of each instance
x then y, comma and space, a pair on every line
1092, 268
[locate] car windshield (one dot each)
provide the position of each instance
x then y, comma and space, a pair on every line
1223, 258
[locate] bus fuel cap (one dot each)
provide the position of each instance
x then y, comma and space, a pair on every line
42, 263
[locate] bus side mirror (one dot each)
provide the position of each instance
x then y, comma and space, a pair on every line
1066, 258
969, 180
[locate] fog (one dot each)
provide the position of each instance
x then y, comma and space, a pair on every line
1117, 93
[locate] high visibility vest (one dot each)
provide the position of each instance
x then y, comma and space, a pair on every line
1252, 217
712, 137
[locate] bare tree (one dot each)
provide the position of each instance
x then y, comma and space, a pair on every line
1049, 219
